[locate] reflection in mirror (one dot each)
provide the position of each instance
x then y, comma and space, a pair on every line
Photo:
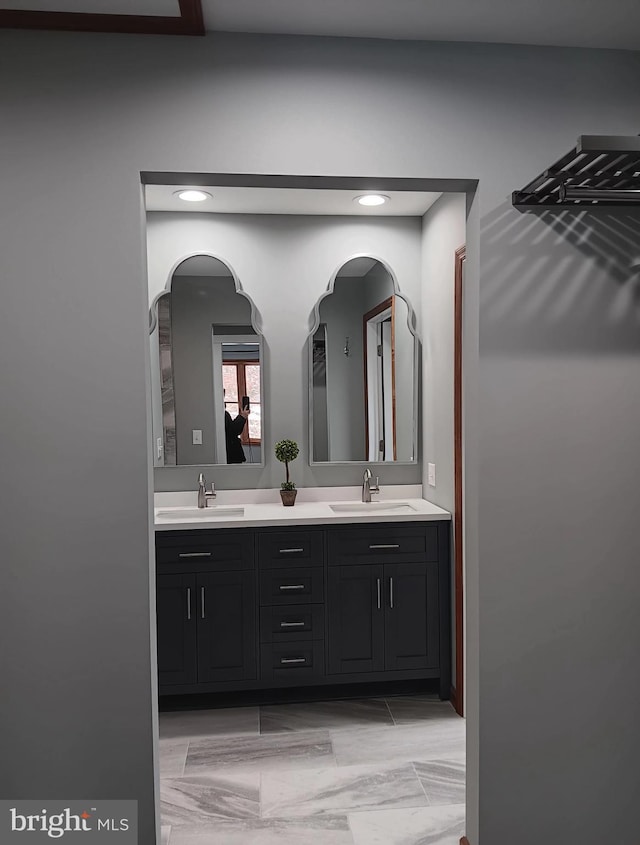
210, 361
363, 370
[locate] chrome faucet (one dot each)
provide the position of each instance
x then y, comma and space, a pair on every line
203, 494
367, 489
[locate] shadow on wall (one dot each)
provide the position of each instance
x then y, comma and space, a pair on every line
540, 296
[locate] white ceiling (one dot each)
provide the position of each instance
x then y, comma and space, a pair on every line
578, 23
168, 8
238, 200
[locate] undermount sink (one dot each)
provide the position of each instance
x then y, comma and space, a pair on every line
215, 512
372, 507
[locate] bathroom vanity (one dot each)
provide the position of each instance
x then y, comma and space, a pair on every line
307, 596
252, 595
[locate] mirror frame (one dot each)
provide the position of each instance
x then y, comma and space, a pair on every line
314, 323
256, 324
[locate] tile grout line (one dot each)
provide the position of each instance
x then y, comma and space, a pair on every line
353, 837
413, 765
395, 724
333, 751
186, 754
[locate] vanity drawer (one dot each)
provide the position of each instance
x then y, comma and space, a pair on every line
392, 542
290, 548
293, 622
292, 662
204, 549
300, 585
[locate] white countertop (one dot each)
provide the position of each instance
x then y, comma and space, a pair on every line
263, 508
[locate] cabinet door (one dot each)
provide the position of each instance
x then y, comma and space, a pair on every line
226, 626
355, 619
176, 611
411, 616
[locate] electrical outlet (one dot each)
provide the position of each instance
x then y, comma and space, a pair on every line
431, 475
196, 436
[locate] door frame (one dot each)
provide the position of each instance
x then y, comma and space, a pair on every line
388, 304
457, 689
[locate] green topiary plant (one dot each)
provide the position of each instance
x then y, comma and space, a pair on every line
287, 451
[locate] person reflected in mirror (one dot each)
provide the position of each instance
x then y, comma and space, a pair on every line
233, 428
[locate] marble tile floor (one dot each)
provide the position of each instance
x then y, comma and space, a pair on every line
361, 772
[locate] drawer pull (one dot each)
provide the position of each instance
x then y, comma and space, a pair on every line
385, 546
293, 660
290, 551
391, 593
292, 624
378, 580
194, 554
202, 599
188, 603
292, 586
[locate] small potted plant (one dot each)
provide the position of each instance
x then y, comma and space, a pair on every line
287, 451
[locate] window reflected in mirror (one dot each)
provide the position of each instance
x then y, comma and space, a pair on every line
241, 378
207, 401
363, 370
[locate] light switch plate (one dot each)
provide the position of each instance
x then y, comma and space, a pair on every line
431, 475
197, 436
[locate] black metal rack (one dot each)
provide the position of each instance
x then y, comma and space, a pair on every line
602, 171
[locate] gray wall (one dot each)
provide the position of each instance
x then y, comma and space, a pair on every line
342, 314
443, 231
552, 585
285, 265
197, 302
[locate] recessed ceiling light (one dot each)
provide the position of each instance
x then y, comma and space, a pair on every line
372, 199
193, 196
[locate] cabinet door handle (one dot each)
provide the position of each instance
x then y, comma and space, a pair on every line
202, 600
293, 660
188, 602
391, 593
384, 546
292, 586
289, 551
194, 554
292, 624
379, 593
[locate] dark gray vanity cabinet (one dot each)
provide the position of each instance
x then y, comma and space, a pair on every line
411, 623
265, 608
355, 619
292, 575
226, 626
387, 605
206, 609
177, 657
383, 618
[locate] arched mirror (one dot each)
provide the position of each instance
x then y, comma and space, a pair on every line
363, 355
207, 394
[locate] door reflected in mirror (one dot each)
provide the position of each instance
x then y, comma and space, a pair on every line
363, 370
208, 400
